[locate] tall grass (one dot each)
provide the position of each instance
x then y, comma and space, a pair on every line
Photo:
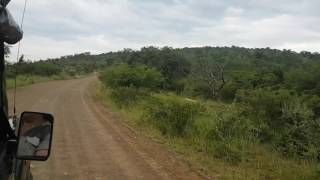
225, 141
24, 80
172, 115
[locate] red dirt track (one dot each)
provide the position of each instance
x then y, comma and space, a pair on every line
90, 142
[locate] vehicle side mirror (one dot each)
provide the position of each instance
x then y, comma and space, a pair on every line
35, 136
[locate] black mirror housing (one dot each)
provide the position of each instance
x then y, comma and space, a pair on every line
35, 136
4, 3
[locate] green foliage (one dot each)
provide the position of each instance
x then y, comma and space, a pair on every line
35, 69
305, 79
275, 110
299, 135
41, 69
264, 82
228, 92
223, 143
172, 65
24, 80
197, 88
228, 152
266, 103
172, 115
209, 75
292, 124
235, 123
126, 96
131, 76
227, 133
313, 102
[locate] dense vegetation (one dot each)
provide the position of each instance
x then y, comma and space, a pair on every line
246, 113
29, 72
240, 101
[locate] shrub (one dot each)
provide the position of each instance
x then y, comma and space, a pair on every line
230, 132
235, 123
266, 103
300, 133
199, 89
40, 69
126, 96
172, 115
228, 92
313, 102
233, 151
138, 77
304, 79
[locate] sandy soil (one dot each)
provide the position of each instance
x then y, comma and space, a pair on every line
90, 142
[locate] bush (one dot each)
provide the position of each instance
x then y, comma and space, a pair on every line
313, 102
233, 151
131, 76
300, 133
235, 123
293, 127
228, 92
172, 115
230, 132
126, 96
304, 79
39, 69
266, 103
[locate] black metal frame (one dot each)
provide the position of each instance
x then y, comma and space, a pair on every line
3, 96
2, 64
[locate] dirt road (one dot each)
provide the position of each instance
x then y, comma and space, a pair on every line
90, 142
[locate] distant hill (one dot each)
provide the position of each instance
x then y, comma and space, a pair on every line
237, 57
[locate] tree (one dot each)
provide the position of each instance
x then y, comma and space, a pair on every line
138, 76
173, 66
210, 73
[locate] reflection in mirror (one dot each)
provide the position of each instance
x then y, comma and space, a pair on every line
34, 136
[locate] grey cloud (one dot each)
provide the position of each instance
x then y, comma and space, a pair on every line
66, 26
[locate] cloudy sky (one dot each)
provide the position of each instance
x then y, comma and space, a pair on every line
61, 27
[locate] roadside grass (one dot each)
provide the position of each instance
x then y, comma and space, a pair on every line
231, 158
24, 80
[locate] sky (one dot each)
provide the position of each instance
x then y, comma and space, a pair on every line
54, 28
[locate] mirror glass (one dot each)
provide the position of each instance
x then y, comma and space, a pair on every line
35, 135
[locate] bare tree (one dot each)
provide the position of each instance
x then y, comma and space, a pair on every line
211, 73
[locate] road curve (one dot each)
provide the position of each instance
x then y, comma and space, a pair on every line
90, 142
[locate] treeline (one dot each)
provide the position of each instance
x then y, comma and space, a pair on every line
227, 74
224, 101
75, 65
26, 72
240, 68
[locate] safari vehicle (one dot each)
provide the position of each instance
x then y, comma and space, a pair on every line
32, 139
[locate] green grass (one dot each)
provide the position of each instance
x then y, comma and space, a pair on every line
24, 80
234, 158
